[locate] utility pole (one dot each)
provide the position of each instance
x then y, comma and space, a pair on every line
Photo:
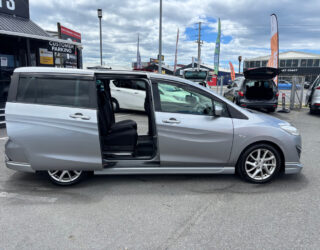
160, 40
199, 47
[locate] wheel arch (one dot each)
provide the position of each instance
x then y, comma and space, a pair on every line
282, 167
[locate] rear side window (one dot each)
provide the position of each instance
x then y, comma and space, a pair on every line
61, 92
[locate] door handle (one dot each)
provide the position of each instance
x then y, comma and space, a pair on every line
135, 93
171, 121
79, 115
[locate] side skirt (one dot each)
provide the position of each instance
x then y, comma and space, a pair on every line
166, 170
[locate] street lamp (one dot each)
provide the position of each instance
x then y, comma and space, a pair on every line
100, 17
160, 40
239, 59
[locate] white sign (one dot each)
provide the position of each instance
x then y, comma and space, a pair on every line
3, 62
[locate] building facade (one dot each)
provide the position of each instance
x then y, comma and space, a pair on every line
24, 43
292, 63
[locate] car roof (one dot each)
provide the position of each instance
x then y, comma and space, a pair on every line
92, 72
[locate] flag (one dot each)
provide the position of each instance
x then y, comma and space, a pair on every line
176, 55
232, 73
217, 50
138, 56
274, 58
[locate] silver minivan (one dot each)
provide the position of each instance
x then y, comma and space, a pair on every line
62, 122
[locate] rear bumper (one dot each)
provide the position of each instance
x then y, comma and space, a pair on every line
254, 104
19, 166
293, 167
315, 106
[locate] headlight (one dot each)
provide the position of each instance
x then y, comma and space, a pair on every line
290, 129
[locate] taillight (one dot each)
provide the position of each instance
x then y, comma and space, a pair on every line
318, 88
240, 93
277, 94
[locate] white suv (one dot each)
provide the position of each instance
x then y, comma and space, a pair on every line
128, 94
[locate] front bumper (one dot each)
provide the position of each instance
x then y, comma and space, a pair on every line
293, 167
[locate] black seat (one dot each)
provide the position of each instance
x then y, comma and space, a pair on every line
120, 136
124, 123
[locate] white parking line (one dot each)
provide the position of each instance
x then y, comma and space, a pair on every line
4, 138
27, 197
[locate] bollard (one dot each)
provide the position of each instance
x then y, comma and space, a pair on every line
284, 110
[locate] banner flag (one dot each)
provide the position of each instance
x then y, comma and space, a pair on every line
232, 72
217, 50
274, 58
176, 55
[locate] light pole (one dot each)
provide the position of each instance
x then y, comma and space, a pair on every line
239, 59
160, 40
100, 17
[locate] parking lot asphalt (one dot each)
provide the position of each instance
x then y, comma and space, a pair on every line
166, 211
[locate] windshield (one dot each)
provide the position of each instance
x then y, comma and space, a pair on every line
195, 75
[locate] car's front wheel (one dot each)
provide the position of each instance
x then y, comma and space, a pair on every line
66, 177
259, 163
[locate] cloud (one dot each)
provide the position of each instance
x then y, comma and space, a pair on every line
245, 27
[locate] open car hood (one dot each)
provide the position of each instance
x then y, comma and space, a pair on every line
264, 73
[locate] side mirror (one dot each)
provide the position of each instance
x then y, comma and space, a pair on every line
218, 111
229, 86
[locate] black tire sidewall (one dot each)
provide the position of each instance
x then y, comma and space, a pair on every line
241, 164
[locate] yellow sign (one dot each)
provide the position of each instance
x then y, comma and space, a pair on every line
46, 57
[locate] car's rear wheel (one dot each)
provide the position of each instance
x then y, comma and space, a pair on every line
271, 110
259, 163
66, 177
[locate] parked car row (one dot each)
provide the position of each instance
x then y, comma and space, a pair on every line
61, 122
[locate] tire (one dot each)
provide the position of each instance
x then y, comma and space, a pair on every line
254, 169
271, 110
115, 104
69, 177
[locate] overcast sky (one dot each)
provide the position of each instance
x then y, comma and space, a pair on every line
245, 27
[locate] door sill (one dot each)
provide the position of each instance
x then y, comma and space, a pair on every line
166, 170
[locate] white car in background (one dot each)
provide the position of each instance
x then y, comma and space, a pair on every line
128, 94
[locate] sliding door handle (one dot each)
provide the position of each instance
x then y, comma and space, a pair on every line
171, 121
79, 116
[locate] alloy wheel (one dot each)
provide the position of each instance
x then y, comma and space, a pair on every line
260, 164
65, 176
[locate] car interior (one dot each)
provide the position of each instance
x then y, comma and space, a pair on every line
120, 140
259, 90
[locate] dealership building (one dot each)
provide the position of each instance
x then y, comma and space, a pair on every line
24, 43
292, 63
